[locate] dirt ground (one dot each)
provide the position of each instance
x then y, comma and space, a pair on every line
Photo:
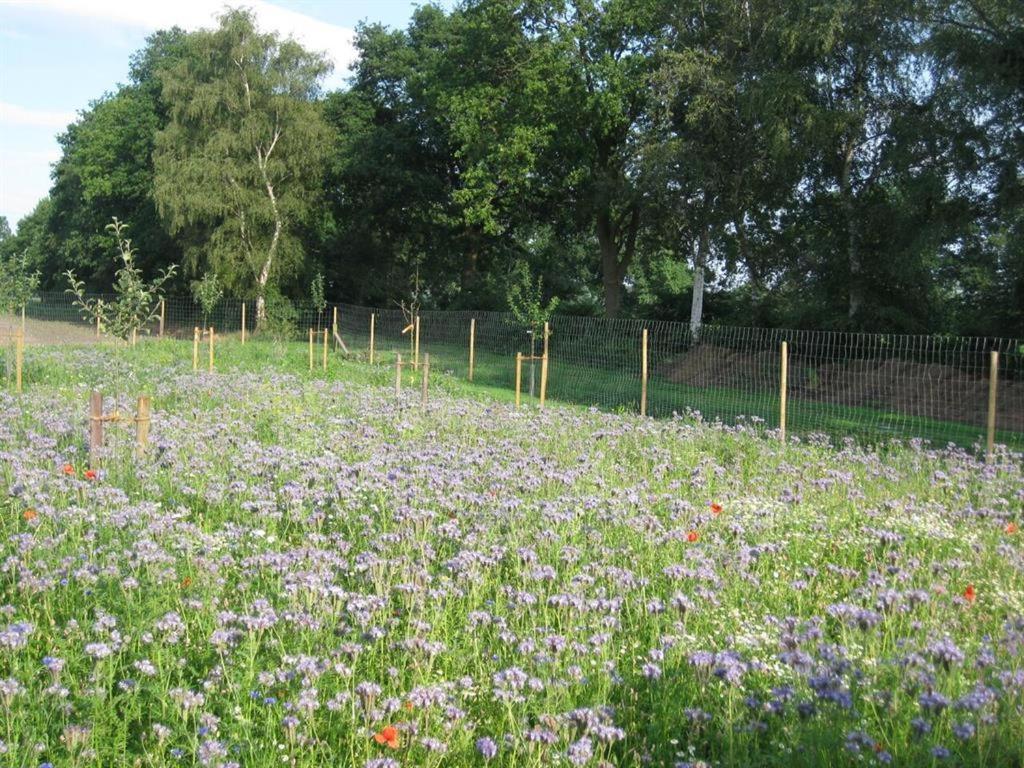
48, 331
931, 390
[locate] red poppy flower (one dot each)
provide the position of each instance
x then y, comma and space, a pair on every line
692, 536
1011, 528
90, 474
69, 469
716, 508
29, 515
388, 736
970, 594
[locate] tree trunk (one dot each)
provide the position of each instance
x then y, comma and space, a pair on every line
700, 261
611, 272
856, 286
264, 276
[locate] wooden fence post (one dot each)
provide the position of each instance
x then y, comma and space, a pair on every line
163, 311
544, 368
993, 385
195, 349
643, 373
134, 339
373, 318
334, 325
398, 374
783, 394
98, 327
19, 359
211, 349
519, 375
243, 323
426, 376
416, 345
95, 428
472, 345
325, 349
310, 349
142, 425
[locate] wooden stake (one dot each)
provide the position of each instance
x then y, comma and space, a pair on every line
373, 318
310, 349
134, 339
993, 385
142, 425
19, 359
98, 326
325, 349
426, 376
23, 320
243, 323
211, 349
472, 345
416, 345
334, 323
783, 394
519, 375
643, 373
163, 310
398, 374
95, 428
195, 349
544, 368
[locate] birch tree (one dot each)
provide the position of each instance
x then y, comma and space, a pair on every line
238, 167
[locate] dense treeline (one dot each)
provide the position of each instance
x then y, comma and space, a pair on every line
848, 164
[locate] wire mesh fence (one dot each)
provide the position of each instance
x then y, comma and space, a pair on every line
841, 385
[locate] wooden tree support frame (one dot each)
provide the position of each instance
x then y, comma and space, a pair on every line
543, 358
97, 419
373, 323
424, 371
197, 335
335, 334
990, 422
19, 355
643, 373
520, 359
472, 345
783, 390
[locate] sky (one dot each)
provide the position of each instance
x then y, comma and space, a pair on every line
57, 56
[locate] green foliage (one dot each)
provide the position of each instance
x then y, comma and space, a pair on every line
136, 301
208, 293
239, 162
281, 321
525, 299
853, 164
316, 292
18, 282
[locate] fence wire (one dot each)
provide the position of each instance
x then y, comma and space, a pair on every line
842, 385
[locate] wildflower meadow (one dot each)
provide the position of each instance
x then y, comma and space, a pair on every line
306, 570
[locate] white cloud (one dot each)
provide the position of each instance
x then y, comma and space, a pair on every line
335, 41
12, 114
24, 180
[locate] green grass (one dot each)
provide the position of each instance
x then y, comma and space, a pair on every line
431, 552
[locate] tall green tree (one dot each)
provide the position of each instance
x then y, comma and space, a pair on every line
106, 169
585, 67
732, 106
241, 158
978, 52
